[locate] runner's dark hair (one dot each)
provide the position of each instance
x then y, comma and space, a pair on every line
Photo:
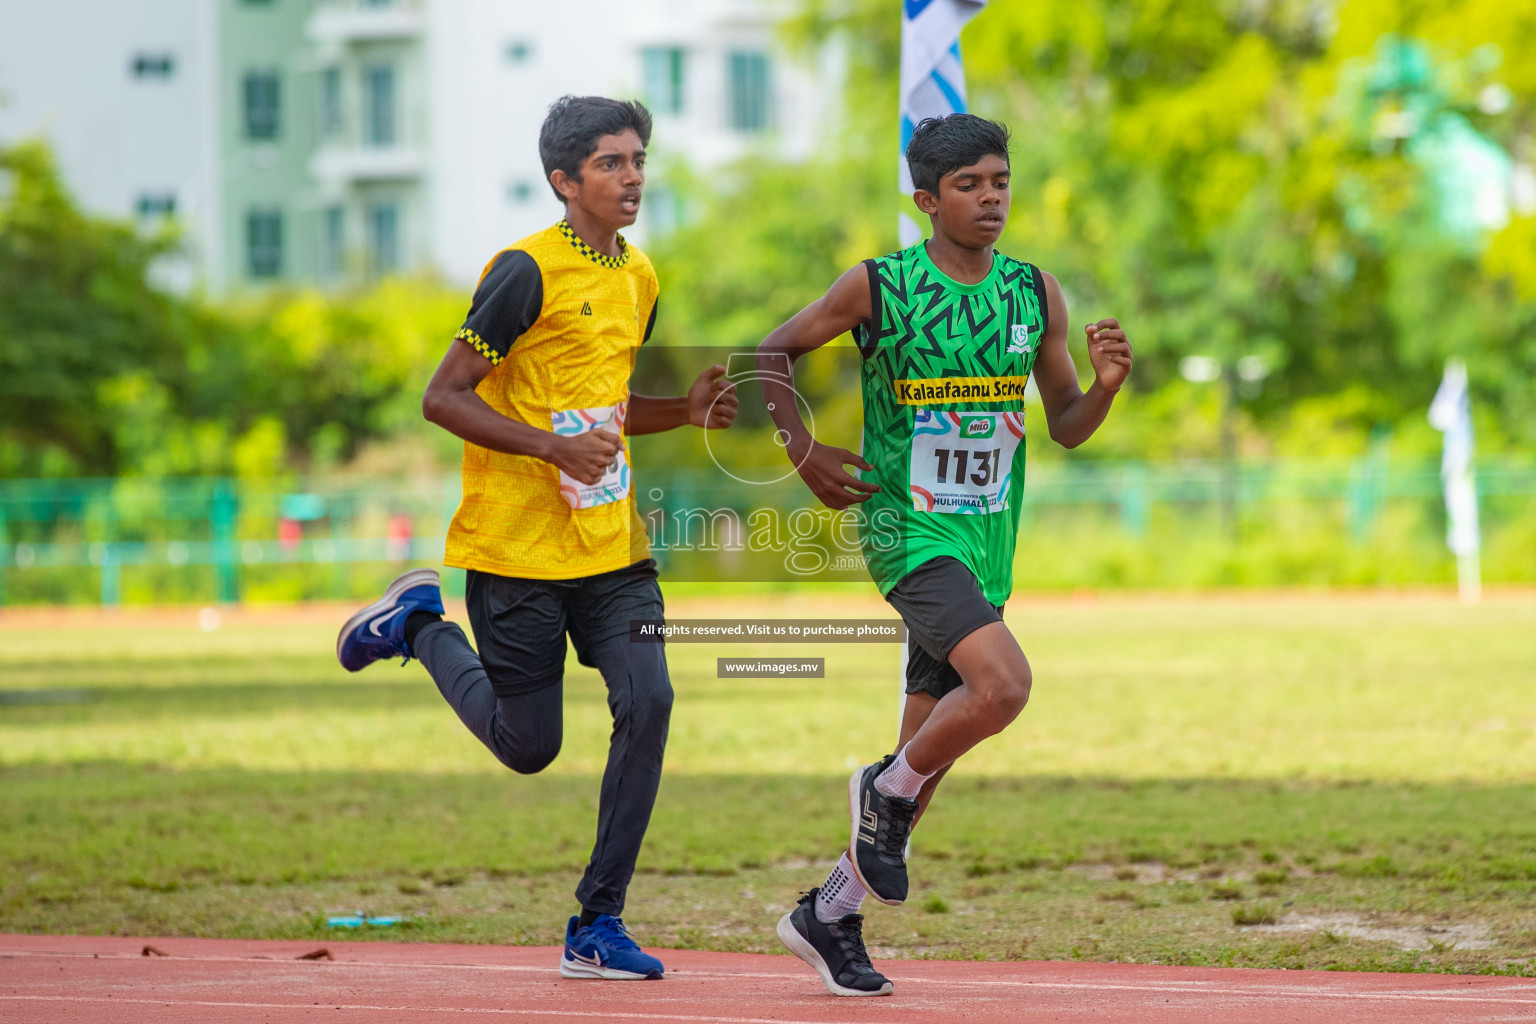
574, 124
943, 145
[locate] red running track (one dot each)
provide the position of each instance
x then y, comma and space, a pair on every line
79, 978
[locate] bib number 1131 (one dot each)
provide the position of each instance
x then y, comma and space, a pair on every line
982, 465
962, 462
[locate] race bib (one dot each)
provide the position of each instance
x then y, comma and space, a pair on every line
614, 486
962, 461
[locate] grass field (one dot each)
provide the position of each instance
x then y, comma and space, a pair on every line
1273, 780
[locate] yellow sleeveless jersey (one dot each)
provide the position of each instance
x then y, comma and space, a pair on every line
561, 325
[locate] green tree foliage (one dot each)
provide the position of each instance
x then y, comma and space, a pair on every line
75, 314
102, 374
1264, 184
1233, 180
336, 369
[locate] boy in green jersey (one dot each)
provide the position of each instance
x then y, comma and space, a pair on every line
950, 330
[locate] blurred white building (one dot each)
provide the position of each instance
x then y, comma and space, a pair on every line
127, 94
328, 140
711, 71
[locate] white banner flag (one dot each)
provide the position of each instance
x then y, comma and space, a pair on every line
1451, 414
932, 80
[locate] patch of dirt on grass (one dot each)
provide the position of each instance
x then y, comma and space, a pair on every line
1149, 873
1153, 872
1403, 936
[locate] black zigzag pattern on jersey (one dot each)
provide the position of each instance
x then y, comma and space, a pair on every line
925, 327
928, 329
902, 330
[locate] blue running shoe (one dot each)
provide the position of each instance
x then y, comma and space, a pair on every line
378, 631
605, 949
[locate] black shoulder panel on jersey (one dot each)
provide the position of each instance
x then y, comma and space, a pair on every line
650, 325
507, 303
867, 336
1037, 282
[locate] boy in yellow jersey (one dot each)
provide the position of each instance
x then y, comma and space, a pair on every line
536, 382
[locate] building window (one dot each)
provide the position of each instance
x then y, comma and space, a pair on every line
152, 65
662, 67
263, 104
663, 210
330, 103
520, 51
264, 243
151, 205
379, 107
520, 191
748, 82
384, 237
334, 244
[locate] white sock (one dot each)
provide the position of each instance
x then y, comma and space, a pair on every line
841, 894
899, 779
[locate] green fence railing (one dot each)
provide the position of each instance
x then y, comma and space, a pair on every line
220, 539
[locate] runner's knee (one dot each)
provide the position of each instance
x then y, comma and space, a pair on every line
1004, 693
648, 703
528, 730
657, 703
644, 697
1019, 687
530, 758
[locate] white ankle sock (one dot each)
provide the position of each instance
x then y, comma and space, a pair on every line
841, 894
899, 779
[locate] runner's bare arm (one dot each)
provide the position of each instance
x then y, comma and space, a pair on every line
1071, 413
710, 403
844, 307
452, 403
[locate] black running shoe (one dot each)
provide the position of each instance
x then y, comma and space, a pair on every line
835, 950
881, 825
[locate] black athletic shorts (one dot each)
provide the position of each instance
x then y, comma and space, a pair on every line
941, 605
521, 624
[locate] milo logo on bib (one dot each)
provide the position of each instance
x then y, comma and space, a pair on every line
977, 426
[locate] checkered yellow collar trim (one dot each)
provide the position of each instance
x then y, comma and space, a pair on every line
611, 262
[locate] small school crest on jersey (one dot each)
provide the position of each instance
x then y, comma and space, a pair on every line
1018, 340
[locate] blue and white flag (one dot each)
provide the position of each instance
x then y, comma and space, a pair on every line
1451, 413
932, 79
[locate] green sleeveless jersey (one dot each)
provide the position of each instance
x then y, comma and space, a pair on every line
944, 370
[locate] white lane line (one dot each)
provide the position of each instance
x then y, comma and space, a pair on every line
1275, 991
1487, 991
372, 1008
